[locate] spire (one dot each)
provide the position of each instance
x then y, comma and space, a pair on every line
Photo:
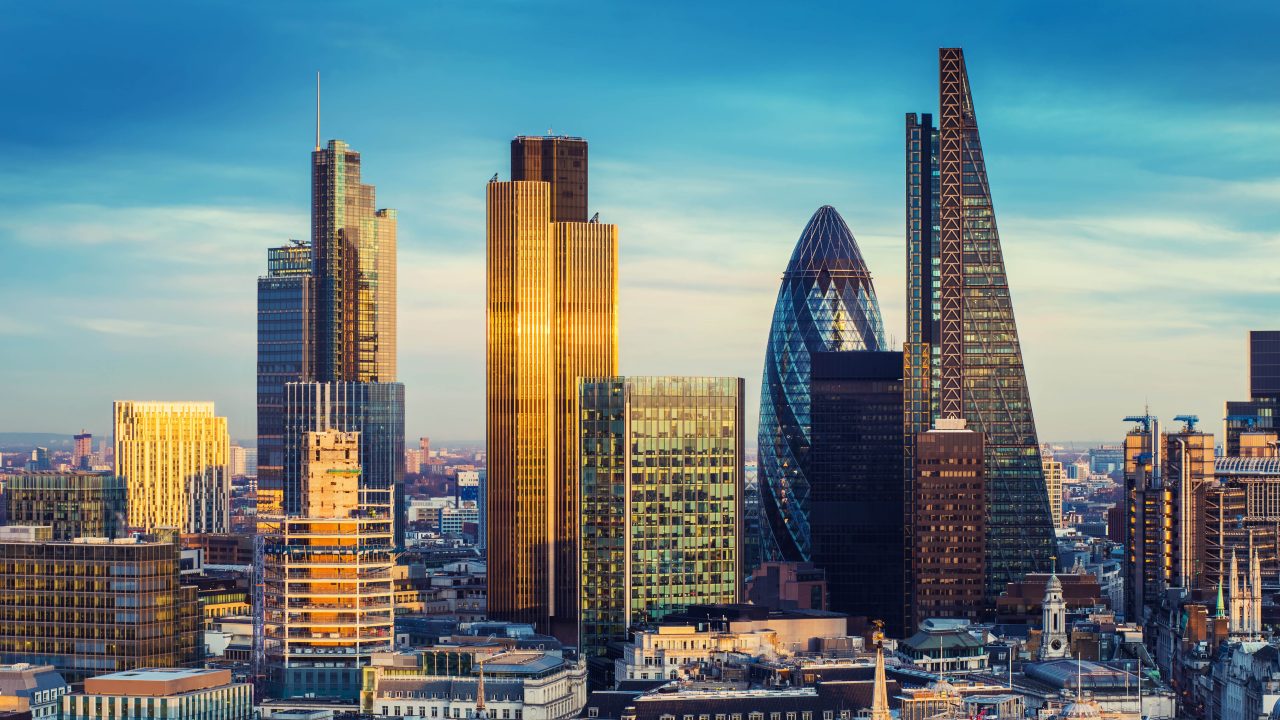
880, 696
480, 691
317, 110
1221, 609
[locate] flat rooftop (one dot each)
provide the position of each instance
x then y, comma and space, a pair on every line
156, 682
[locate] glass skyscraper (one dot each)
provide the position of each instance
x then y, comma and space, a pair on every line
963, 359
661, 483
284, 356
376, 411
826, 303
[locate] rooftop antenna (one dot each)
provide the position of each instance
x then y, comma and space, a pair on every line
317, 110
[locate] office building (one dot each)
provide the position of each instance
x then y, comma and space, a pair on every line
454, 681
173, 456
376, 412
284, 356
353, 272
855, 479
327, 594
92, 606
948, 553
551, 313
82, 454
74, 504
1170, 499
559, 160
162, 694
826, 302
1258, 413
661, 502
39, 460
33, 689
963, 357
1054, 476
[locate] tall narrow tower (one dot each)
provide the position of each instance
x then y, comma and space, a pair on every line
963, 359
551, 313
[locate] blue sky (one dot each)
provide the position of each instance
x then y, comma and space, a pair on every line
152, 151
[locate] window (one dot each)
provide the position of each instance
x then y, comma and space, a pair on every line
593, 712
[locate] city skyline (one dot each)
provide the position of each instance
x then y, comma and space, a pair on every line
1162, 273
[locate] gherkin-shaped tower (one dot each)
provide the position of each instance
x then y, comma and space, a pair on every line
826, 303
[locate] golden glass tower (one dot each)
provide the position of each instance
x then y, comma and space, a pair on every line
353, 266
551, 307
173, 456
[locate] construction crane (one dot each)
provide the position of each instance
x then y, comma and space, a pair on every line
1144, 420
1189, 420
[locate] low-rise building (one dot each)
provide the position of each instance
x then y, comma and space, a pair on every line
945, 646
161, 694
451, 681
37, 689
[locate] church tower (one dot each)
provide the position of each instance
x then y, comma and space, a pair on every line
1053, 629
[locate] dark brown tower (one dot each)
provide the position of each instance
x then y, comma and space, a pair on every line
560, 160
950, 544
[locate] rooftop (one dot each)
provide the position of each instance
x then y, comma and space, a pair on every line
155, 682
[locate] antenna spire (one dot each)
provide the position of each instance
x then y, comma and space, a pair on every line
317, 110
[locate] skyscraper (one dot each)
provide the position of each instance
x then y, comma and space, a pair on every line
284, 356
327, 588
353, 267
661, 501
82, 456
963, 359
173, 456
557, 159
551, 297
826, 303
855, 473
376, 412
1259, 411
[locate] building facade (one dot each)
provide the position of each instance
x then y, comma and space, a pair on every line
463, 681
560, 160
284, 356
949, 494
353, 270
376, 412
826, 302
327, 588
661, 485
74, 504
34, 689
1054, 476
855, 478
963, 357
97, 606
161, 694
551, 313
174, 458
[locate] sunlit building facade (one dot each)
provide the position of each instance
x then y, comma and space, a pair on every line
353, 268
1054, 475
662, 484
963, 358
327, 594
551, 313
376, 412
174, 458
89, 607
826, 302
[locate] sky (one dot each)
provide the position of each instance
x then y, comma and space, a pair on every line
153, 151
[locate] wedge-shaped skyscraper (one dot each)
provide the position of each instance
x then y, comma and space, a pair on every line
963, 359
826, 303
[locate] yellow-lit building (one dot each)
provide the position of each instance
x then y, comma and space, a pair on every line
327, 578
1054, 475
174, 458
551, 312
